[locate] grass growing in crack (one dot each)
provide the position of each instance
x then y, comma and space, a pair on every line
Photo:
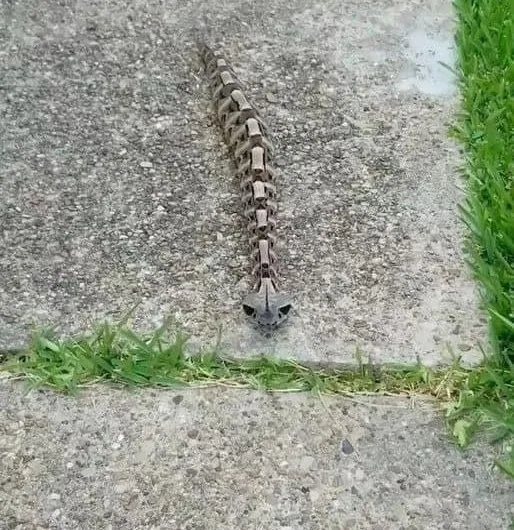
115, 353
485, 47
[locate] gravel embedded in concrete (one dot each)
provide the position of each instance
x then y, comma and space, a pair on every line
232, 459
116, 186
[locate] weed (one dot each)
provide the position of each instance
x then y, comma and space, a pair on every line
116, 353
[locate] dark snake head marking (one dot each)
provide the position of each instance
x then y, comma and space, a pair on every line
267, 309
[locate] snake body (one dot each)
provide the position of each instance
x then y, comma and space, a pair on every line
245, 132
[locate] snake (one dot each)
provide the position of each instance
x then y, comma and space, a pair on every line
247, 137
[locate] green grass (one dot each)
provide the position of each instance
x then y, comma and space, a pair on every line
485, 44
485, 129
115, 354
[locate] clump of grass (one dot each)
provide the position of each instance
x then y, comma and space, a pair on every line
485, 405
116, 353
485, 47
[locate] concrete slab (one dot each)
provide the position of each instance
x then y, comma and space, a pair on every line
116, 186
224, 458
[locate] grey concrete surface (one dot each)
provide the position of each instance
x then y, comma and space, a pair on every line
116, 187
230, 459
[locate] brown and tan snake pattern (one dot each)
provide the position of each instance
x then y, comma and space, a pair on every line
246, 135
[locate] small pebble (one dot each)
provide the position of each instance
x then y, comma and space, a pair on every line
346, 447
193, 433
146, 164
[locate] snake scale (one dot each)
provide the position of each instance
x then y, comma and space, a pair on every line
246, 134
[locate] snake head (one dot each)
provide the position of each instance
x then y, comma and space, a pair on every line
267, 308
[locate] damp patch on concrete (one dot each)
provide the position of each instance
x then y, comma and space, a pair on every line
427, 72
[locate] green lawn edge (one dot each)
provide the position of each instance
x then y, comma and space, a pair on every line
485, 128
484, 41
